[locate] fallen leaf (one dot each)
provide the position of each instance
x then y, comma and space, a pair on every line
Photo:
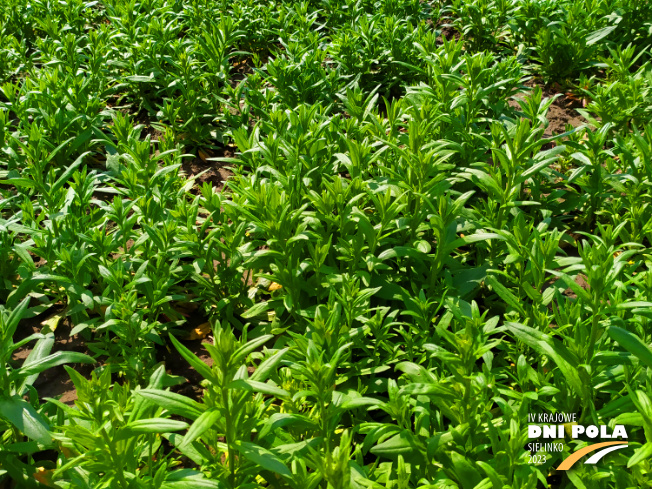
50, 324
203, 155
44, 476
200, 332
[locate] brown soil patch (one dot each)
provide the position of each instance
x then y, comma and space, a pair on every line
240, 70
215, 171
449, 33
55, 381
561, 112
559, 116
175, 364
579, 280
121, 250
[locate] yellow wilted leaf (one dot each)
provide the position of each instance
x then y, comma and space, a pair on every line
274, 286
50, 324
200, 332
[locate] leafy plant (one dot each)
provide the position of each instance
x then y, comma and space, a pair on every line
409, 223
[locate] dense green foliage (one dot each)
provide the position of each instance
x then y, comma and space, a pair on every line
401, 267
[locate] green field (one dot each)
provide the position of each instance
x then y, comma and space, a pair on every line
323, 244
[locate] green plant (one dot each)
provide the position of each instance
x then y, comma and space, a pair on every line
24, 423
411, 224
113, 438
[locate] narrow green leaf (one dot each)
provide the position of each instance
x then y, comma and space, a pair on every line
600, 34
554, 350
57, 358
195, 451
69, 171
241, 353
505, 294
416, 389
641, 454
468, 475
263, 458
280, 420
156, 425
262, 387
173, 402
268, 365
194, 362
202, 424
632, 344
402, 443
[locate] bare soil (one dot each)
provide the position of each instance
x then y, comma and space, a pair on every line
561, 112
55, 381
215, 172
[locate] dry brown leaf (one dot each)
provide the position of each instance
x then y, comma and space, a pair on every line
44, 476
